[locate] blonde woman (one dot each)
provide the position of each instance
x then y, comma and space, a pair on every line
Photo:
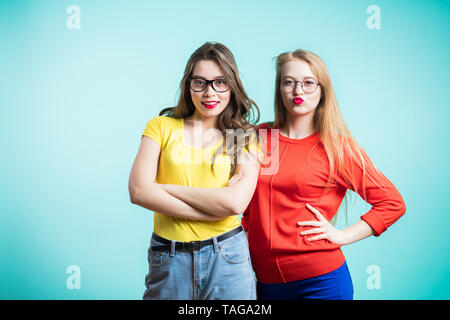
198, 249
295, 250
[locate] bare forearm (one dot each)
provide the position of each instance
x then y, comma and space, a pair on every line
154, 198
358, 231
222, 202
225, 201
217, 201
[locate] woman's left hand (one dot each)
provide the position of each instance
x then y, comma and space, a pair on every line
234, 179
326, 229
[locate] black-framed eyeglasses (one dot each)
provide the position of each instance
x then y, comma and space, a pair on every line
309, 85
199, 84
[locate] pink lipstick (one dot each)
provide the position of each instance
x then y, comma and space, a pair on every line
298, 100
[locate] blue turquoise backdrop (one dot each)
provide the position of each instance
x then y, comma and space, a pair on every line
74, 102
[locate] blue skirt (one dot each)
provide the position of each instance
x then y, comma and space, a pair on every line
335, 285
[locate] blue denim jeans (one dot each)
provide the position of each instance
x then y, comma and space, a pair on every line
220, 271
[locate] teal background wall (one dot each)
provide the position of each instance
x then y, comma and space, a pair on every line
74, 102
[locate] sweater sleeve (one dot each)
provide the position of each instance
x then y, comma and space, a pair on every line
244, 219
387, 203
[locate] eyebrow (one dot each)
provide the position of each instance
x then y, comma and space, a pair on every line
214, 78
288, 76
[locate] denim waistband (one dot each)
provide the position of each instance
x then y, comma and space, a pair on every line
192, 245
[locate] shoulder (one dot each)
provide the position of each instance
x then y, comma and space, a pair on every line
162, 129
166, 122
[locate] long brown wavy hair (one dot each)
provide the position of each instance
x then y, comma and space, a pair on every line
240, 115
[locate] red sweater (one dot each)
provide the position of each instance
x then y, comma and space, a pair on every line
278, 252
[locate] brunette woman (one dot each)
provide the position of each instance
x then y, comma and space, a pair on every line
198, 249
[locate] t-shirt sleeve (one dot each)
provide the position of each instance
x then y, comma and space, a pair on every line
155, 129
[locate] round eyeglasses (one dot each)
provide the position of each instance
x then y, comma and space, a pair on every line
309, 85
199, 84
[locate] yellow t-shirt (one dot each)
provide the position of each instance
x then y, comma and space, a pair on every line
184, 165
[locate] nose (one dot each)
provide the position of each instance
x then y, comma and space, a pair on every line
209, 90
298, 90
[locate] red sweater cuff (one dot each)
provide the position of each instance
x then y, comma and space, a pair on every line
375, 222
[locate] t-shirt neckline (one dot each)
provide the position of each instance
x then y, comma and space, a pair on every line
198, 148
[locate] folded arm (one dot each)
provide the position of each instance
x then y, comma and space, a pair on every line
225, 201
148, 194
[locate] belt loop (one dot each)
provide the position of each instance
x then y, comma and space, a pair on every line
215, 245
172, 248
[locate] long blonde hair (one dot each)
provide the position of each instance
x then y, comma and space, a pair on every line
328, 121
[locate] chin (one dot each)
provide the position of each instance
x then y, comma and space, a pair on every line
300, 110
210, 113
